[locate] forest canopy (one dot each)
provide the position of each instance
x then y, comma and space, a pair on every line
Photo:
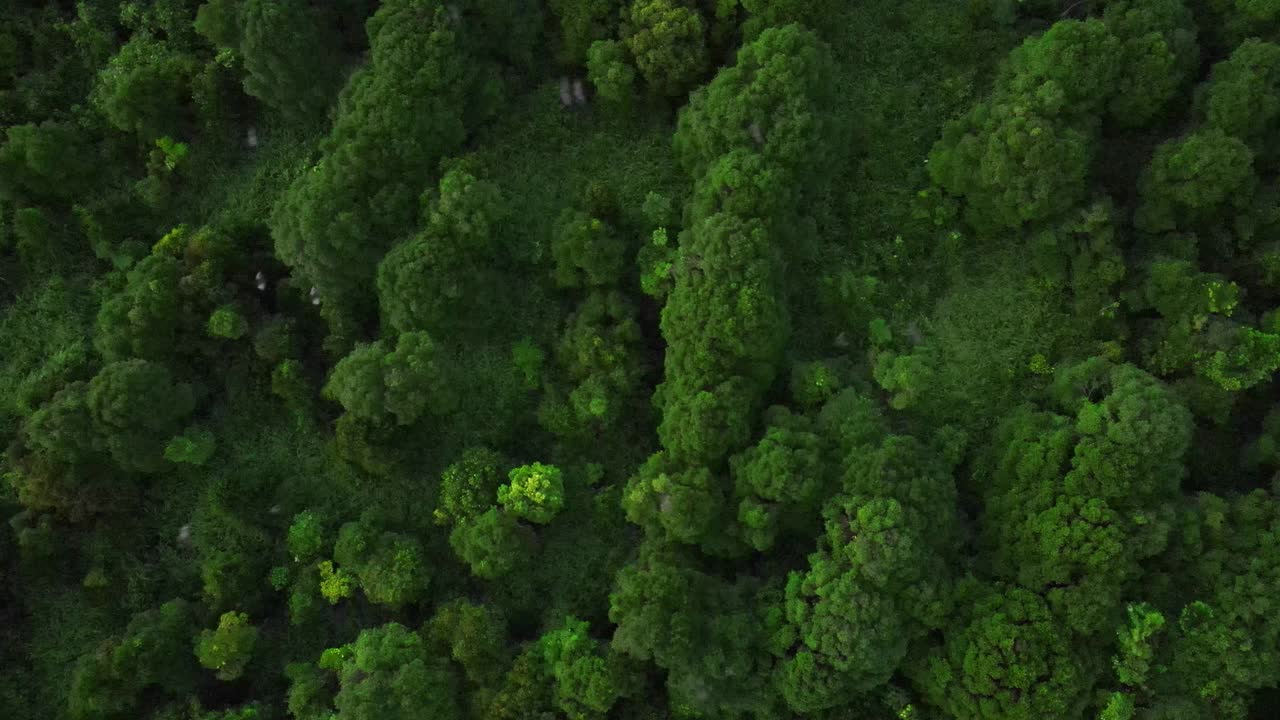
639, 359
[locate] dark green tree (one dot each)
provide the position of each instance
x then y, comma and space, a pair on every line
291, 56
476, 638
145, 88
391, 567
492, 544
469, 486
137, 407
1010, 659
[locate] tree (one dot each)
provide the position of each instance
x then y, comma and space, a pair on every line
583, 22
357, 382
143, 320
62, 428
218, 22
469, 486
1222, 650
533, 492
153, 653
772, 13
1076, 505
878, 581
708, 635
1241, 97
1158, 54
145, 87
48, 161
773, 99
229, 648
779, 480
611, 71
1012, 164
1194, 179
526, 690
193, 447
587, 251
600, 355
723, 340
390, 567
1069, 70
415, 381
388, 672
672, 501
491, 544
136, 408
441, 280
1010, 660
396, 119
170, 298
290, 55
374, 382
589, 680
476, 638
305, 538
668, 42
227, 323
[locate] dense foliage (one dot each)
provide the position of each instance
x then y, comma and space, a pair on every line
639, 359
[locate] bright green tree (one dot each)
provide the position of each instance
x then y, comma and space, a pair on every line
229, 648
533, 492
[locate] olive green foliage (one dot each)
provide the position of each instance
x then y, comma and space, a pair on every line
1192, 178
780, 479
599, 355
587, 251
1091, 495
174, 301
227, 324
49, 161
1024, 155
734, 136
194, 447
